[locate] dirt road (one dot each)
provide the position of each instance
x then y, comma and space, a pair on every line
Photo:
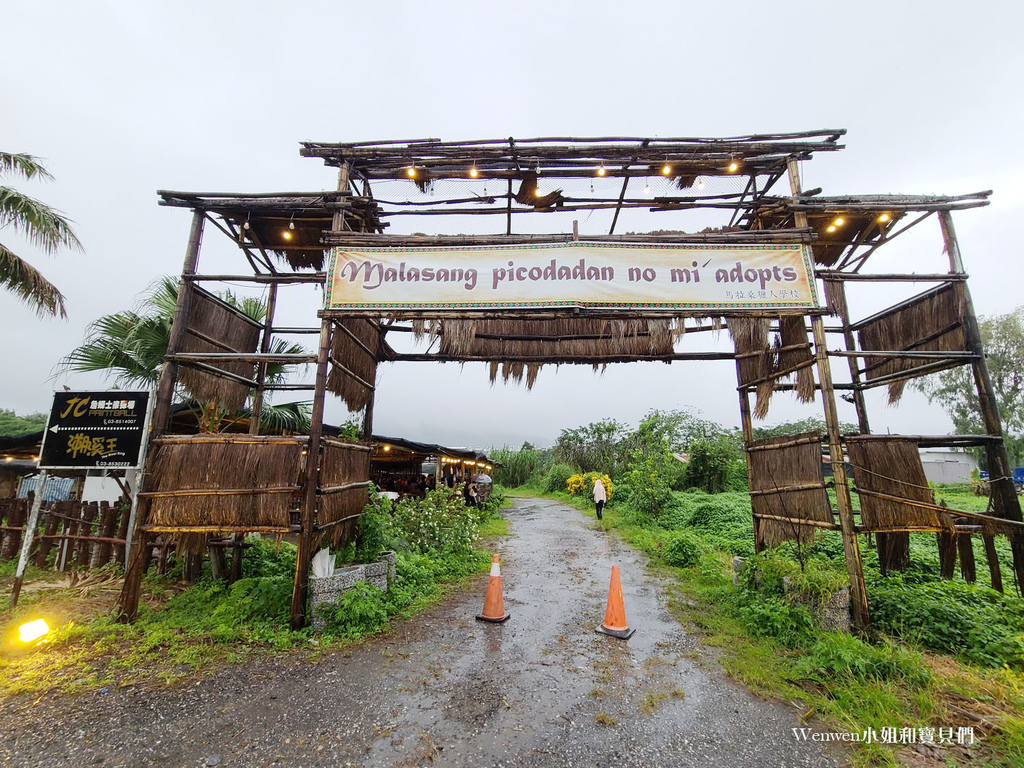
543, 689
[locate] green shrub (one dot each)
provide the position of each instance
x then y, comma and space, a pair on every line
838, 654
267, 557
439, 522
360, 611
557, 477
683, 549
710, 465
767, 616
976, 623
376, 533
646, 477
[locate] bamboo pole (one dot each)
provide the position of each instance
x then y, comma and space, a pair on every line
1004, 495
261, 368
844, 503
128, 603
311, 481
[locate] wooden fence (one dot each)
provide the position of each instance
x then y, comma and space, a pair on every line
70, 534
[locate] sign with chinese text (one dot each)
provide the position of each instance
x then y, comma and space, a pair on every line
94, 430
637, 277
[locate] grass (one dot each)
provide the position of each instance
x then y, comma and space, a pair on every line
850, 684
183, 631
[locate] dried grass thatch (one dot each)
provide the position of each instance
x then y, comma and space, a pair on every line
351, 354
794, 350
225, 474
787, 462
755, 358
835, 298
516, 345
215, 326
342, 462
892, 467
931, 321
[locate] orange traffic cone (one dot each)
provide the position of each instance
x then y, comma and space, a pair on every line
615, 614
494, 603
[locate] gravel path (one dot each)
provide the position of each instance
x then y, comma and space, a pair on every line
542, 689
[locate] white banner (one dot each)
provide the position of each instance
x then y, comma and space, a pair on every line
577, 274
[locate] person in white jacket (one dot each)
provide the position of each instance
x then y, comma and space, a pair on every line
600, 497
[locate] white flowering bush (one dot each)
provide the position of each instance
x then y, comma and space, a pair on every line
440, 522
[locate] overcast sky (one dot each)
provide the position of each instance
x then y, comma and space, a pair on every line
124, 98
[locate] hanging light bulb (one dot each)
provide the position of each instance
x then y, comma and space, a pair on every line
883, 218
287, 235
831, 228
473, 172
648, 192
601, 171
291, 223
666, 169
700, 183
733, 165
411, 171
839, 221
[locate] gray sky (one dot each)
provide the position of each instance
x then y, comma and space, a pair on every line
124, 98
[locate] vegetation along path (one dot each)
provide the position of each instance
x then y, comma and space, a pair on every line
542, 689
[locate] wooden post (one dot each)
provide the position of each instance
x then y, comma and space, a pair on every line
967, 566
844, 503
748, 437
1004, 495
128, 603
26, 539
312, 475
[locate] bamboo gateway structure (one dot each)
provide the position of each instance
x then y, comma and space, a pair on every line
720, 236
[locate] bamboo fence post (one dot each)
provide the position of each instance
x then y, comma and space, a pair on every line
1004, 495
309, 498
83, 547
101, 552
967, 566
46, 543
15, 519
748, 438
128, 603
26, 539
844, 503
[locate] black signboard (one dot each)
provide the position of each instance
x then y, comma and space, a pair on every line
94, 430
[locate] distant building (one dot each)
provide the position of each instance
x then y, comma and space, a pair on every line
943, 466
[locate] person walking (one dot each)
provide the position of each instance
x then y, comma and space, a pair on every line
600, 497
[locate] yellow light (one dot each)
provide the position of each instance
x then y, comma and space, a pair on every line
537, 192
666, 169
883, 218
8, 458
839, 221
387, 447
831, 228
601, 171
473, 172
286, 235
411, 171
733, 167
33, 630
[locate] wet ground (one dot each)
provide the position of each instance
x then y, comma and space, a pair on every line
542, 689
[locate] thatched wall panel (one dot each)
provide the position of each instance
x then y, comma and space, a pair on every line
892, 467
778, 463
231, 331
923, 325
350, 354
756, 359
341, 465
206, 463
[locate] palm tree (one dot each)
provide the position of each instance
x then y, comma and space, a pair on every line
130, 346
42, 225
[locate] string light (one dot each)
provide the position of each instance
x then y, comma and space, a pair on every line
601, 171
666, 169
291, 222
883, 218
839, 221
831, 228
733, 165
286, 235
411, 171
473, 172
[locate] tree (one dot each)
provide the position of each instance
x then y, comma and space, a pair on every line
594, 447
955, 390
42, 226
130, 346
12, 424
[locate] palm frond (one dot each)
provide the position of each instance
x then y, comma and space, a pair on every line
29, 285
26, 166
42, 225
